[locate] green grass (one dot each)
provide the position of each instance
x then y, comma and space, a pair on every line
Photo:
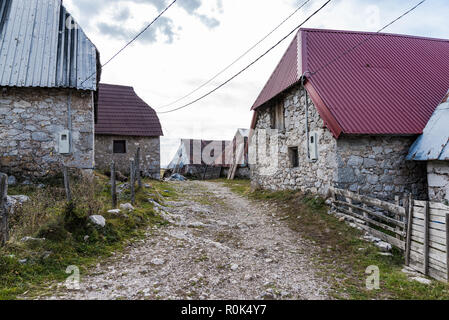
65, 227
343, 256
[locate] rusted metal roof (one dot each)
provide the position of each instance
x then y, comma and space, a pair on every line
433, 144
390, 85
39, 47
122, 112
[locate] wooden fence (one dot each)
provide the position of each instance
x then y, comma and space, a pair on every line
419, 228
381, 219
428, 242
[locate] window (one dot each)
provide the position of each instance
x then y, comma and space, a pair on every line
294, 157
277, 117
119, 146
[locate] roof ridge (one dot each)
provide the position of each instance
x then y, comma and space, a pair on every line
385, 34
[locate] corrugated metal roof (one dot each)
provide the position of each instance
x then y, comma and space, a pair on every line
122, 112
37, 49
433, 144
389, 85
284, 76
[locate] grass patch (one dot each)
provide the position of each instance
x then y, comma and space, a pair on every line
70, 238
343, 257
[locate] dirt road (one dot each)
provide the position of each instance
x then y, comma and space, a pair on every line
220, 246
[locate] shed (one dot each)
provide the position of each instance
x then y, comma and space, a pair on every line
125, 123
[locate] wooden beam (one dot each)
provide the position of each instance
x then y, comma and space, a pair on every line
426, 240
4, 229
370, 201
68, 193
447, 246
409, 229
113, 185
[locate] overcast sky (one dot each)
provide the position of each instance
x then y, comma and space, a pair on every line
197, 38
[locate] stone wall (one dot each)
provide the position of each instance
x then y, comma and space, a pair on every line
438, 180
371, 165
275, 171
150, 156
376, 166
31, 120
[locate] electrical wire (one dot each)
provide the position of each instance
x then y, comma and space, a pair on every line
236, 60
250, 65
133, 39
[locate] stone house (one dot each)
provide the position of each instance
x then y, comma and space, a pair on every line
432, 147
197, 159
343, 108
125, 123
49, 72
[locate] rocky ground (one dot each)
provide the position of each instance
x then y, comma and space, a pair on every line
219, 246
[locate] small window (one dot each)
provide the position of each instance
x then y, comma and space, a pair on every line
294, 157
119, 146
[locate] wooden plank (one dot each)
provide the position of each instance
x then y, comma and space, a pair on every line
375, 214
426, 241
65, 171
409, 230
351, 214
132, 181
437, 257
370, 201
434, 224
438, 206
137, 168
4, 228
113, 185
432, 243
432, 232
447, 246
418, 203
433, 273
436, 212
391, 240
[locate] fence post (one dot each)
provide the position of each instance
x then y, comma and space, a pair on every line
447, 246
132, 181
426, 239
137, 163
397, 216
3, 212
65, 172
113, 185
408, 204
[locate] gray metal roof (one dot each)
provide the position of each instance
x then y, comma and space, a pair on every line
39, 49
433, 144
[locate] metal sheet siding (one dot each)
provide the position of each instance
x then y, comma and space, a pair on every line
284, 76
390, 85
433, 144
38, 50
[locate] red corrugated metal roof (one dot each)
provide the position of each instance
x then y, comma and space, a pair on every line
389, 85
122, 112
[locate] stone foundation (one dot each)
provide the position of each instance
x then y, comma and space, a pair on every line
31, 120
438, 180
149, 154
371, 165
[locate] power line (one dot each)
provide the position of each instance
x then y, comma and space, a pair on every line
365, 40
134, 39
236, 60
251, 64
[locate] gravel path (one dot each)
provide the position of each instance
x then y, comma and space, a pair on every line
220, 246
